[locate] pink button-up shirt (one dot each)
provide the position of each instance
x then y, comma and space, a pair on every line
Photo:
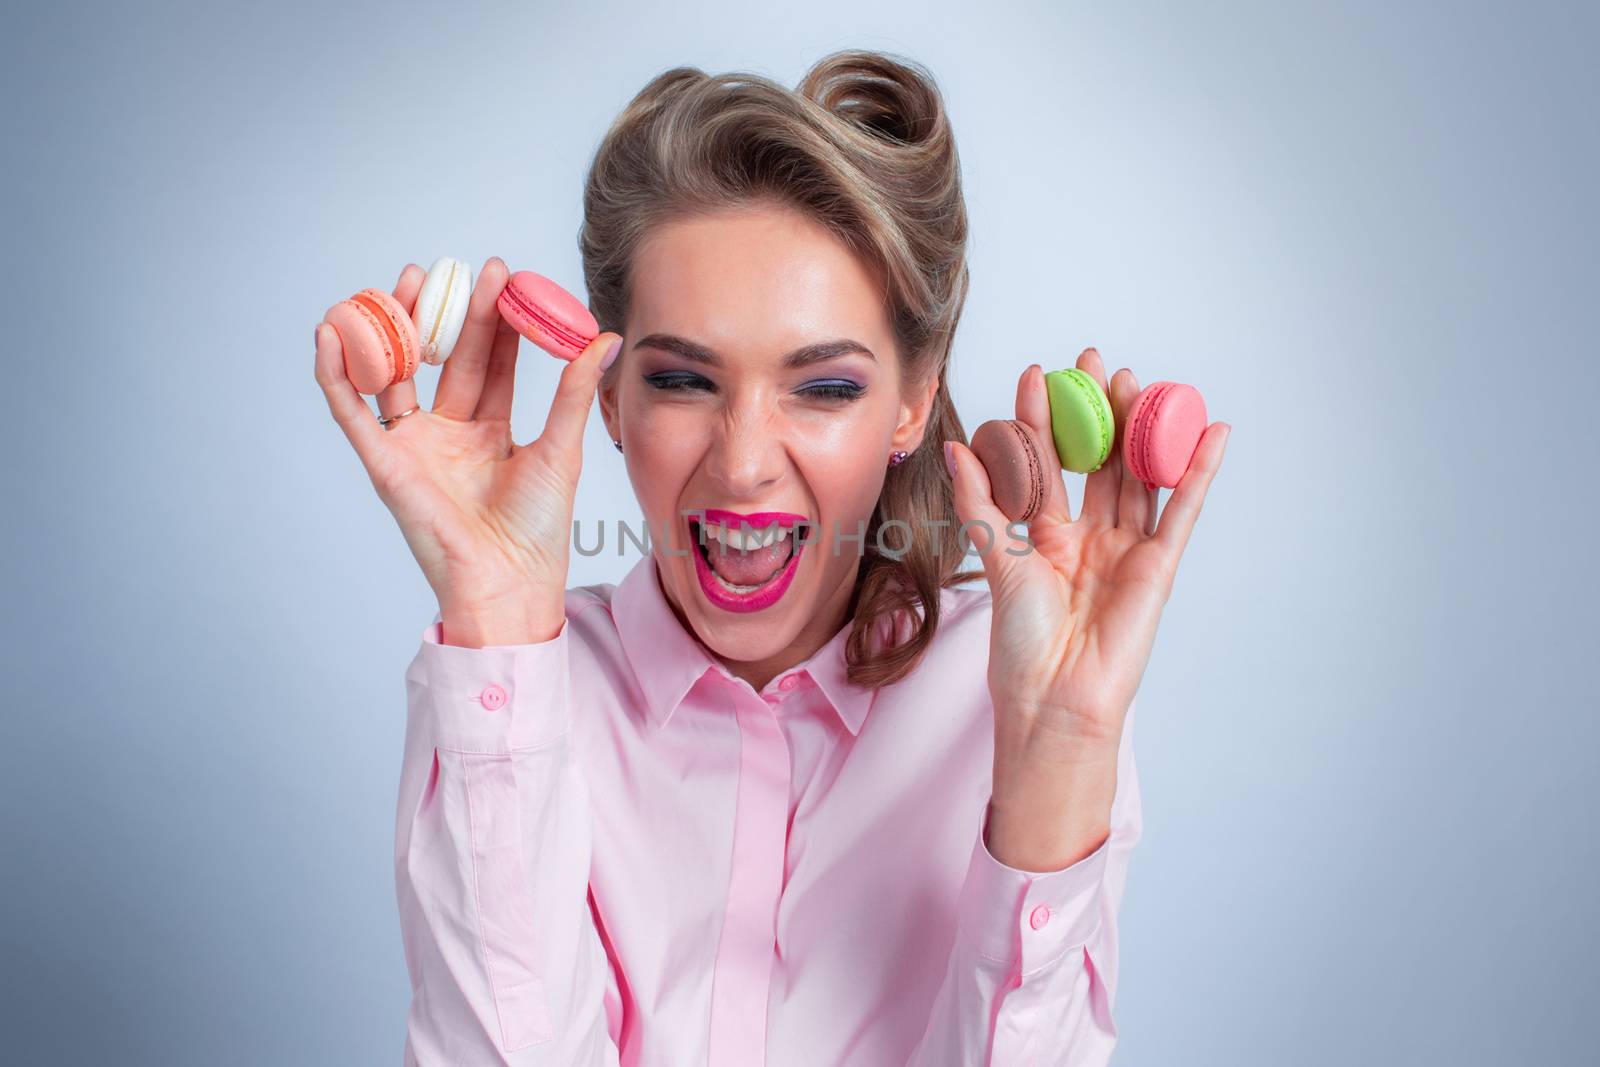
610, 850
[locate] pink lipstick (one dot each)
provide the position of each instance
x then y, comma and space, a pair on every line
716, 589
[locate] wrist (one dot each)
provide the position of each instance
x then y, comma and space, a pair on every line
1059, 768
471, 628
1049, 819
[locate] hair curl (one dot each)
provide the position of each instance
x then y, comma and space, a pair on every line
864, 147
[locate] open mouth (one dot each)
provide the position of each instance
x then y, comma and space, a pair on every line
745, 568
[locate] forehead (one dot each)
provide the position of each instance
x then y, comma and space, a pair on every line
752, 280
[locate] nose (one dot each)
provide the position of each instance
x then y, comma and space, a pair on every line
746, 456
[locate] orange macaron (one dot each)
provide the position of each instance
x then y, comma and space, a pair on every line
380, 342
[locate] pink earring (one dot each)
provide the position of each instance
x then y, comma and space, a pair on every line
896, 458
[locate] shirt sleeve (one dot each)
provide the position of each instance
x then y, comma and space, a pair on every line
492, 853
1032, 977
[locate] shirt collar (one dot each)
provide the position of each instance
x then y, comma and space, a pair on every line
668, 660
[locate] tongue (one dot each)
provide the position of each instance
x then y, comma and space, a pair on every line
748, 568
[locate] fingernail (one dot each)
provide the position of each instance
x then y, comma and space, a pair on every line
611, 354
950, 459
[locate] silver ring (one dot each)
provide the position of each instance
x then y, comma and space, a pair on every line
385, 420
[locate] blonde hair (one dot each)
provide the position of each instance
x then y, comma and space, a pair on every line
862, 146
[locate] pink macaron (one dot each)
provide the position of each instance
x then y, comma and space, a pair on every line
380, 341
547, 315
1162, 431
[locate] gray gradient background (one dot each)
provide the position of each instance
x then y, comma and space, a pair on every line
1367, 734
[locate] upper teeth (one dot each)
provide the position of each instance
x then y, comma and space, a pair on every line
741, 541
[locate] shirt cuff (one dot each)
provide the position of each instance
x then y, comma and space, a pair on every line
1011, 915
492, 699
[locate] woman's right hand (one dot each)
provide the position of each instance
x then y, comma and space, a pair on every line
489, 520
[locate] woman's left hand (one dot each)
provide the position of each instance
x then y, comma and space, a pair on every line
1074, 619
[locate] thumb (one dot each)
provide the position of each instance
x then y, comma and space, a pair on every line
983, 524
569, 411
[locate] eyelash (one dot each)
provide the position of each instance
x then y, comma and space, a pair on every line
830, 391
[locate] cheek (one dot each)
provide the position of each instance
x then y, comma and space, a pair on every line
664, 444
843, 459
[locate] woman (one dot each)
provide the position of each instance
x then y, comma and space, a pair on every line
764, 801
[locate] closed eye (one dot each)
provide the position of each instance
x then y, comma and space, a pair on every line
833, 389
679, 381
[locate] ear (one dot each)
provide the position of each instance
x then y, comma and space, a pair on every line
914, 415
606, 393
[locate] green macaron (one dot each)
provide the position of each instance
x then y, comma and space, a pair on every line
1080, 419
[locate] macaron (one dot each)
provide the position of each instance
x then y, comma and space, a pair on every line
547, 315
1162, 431
1080, 419
1014, 458
379, 340
441, 308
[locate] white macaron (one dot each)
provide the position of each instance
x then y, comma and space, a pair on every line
442, 307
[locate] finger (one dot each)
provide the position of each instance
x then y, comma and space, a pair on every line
569, 411
983, 524
409, 286
1033, 408
461, 381
1183, 507
500, 378
402, 396
1100, 487
349, 410
1136, 505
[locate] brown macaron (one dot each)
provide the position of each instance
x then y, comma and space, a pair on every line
1010, 452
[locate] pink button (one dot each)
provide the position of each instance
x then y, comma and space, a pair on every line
1040, 916
789, 682
492, 697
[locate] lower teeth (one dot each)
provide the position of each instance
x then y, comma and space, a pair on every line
736, 588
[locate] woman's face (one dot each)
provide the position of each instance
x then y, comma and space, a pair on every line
717, 407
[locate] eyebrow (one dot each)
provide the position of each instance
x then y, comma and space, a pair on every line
800, 357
